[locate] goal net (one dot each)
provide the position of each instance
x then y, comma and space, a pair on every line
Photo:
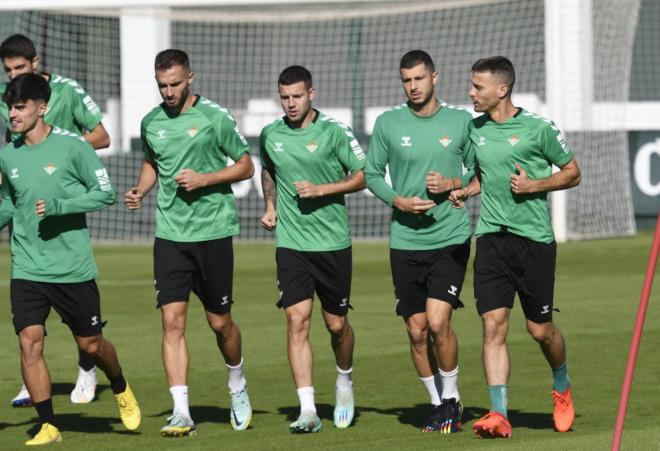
352, 50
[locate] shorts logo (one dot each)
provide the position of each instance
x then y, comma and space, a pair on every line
514, 140
50, 168
14, 173
279, 147
452, 290
445, 141
225, 300
192, 131
482, 141
95, 320
344, 302
405, 141
545, 309
312, 146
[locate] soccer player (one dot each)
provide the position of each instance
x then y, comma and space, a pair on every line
514, 150
187, 140
422, 142
309, 162
51, 178
72, 109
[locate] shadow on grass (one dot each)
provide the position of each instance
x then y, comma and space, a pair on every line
63, 388
324, 411
416, 416
80, 422
208, 414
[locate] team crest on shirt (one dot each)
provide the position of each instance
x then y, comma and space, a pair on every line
192, 131
312, 146
405, 141
161, 134
482, 141
14, 173
279, 147
513, 140
50, 168
445, 140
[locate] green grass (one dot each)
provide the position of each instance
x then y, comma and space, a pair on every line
597, 290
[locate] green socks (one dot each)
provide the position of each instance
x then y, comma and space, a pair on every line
498, 398
560, 380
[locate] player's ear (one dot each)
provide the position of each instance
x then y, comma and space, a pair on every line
502, 90
312, 93
191, 78
435, 77
35, 63
41, 108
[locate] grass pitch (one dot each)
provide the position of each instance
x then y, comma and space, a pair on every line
597, 290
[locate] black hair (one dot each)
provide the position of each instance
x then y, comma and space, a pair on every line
415, 57
18, 45
500, 66
27, 87
171, 57
294, 74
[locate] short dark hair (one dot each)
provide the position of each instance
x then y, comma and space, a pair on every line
26, 87
171, 57
415, 57
18, 45
295, 74
500, 66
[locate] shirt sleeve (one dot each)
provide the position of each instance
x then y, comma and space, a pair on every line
86, 113
554, 147
232, 141
148, 151
7, 207
90, 172
349, 152
266, 162
468, 156
378, 156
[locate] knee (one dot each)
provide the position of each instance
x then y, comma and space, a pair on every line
298, 325
222, 325
90, 345
418, 336
338, 326
440, 328
542, 333
494, 330
31, 345
173, 324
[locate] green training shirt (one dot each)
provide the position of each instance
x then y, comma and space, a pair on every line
411, 146
69, 107
200, 139
535, 143
64, 171
323, 152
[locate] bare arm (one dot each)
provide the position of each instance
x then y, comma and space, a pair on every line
241, 170
568, 176
147, 180
459, 196
436, 183
349, 184
98, 138
269, 219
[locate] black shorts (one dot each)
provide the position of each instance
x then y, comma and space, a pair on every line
505, 264
78, 304
300, 274
434, 273
205, 268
